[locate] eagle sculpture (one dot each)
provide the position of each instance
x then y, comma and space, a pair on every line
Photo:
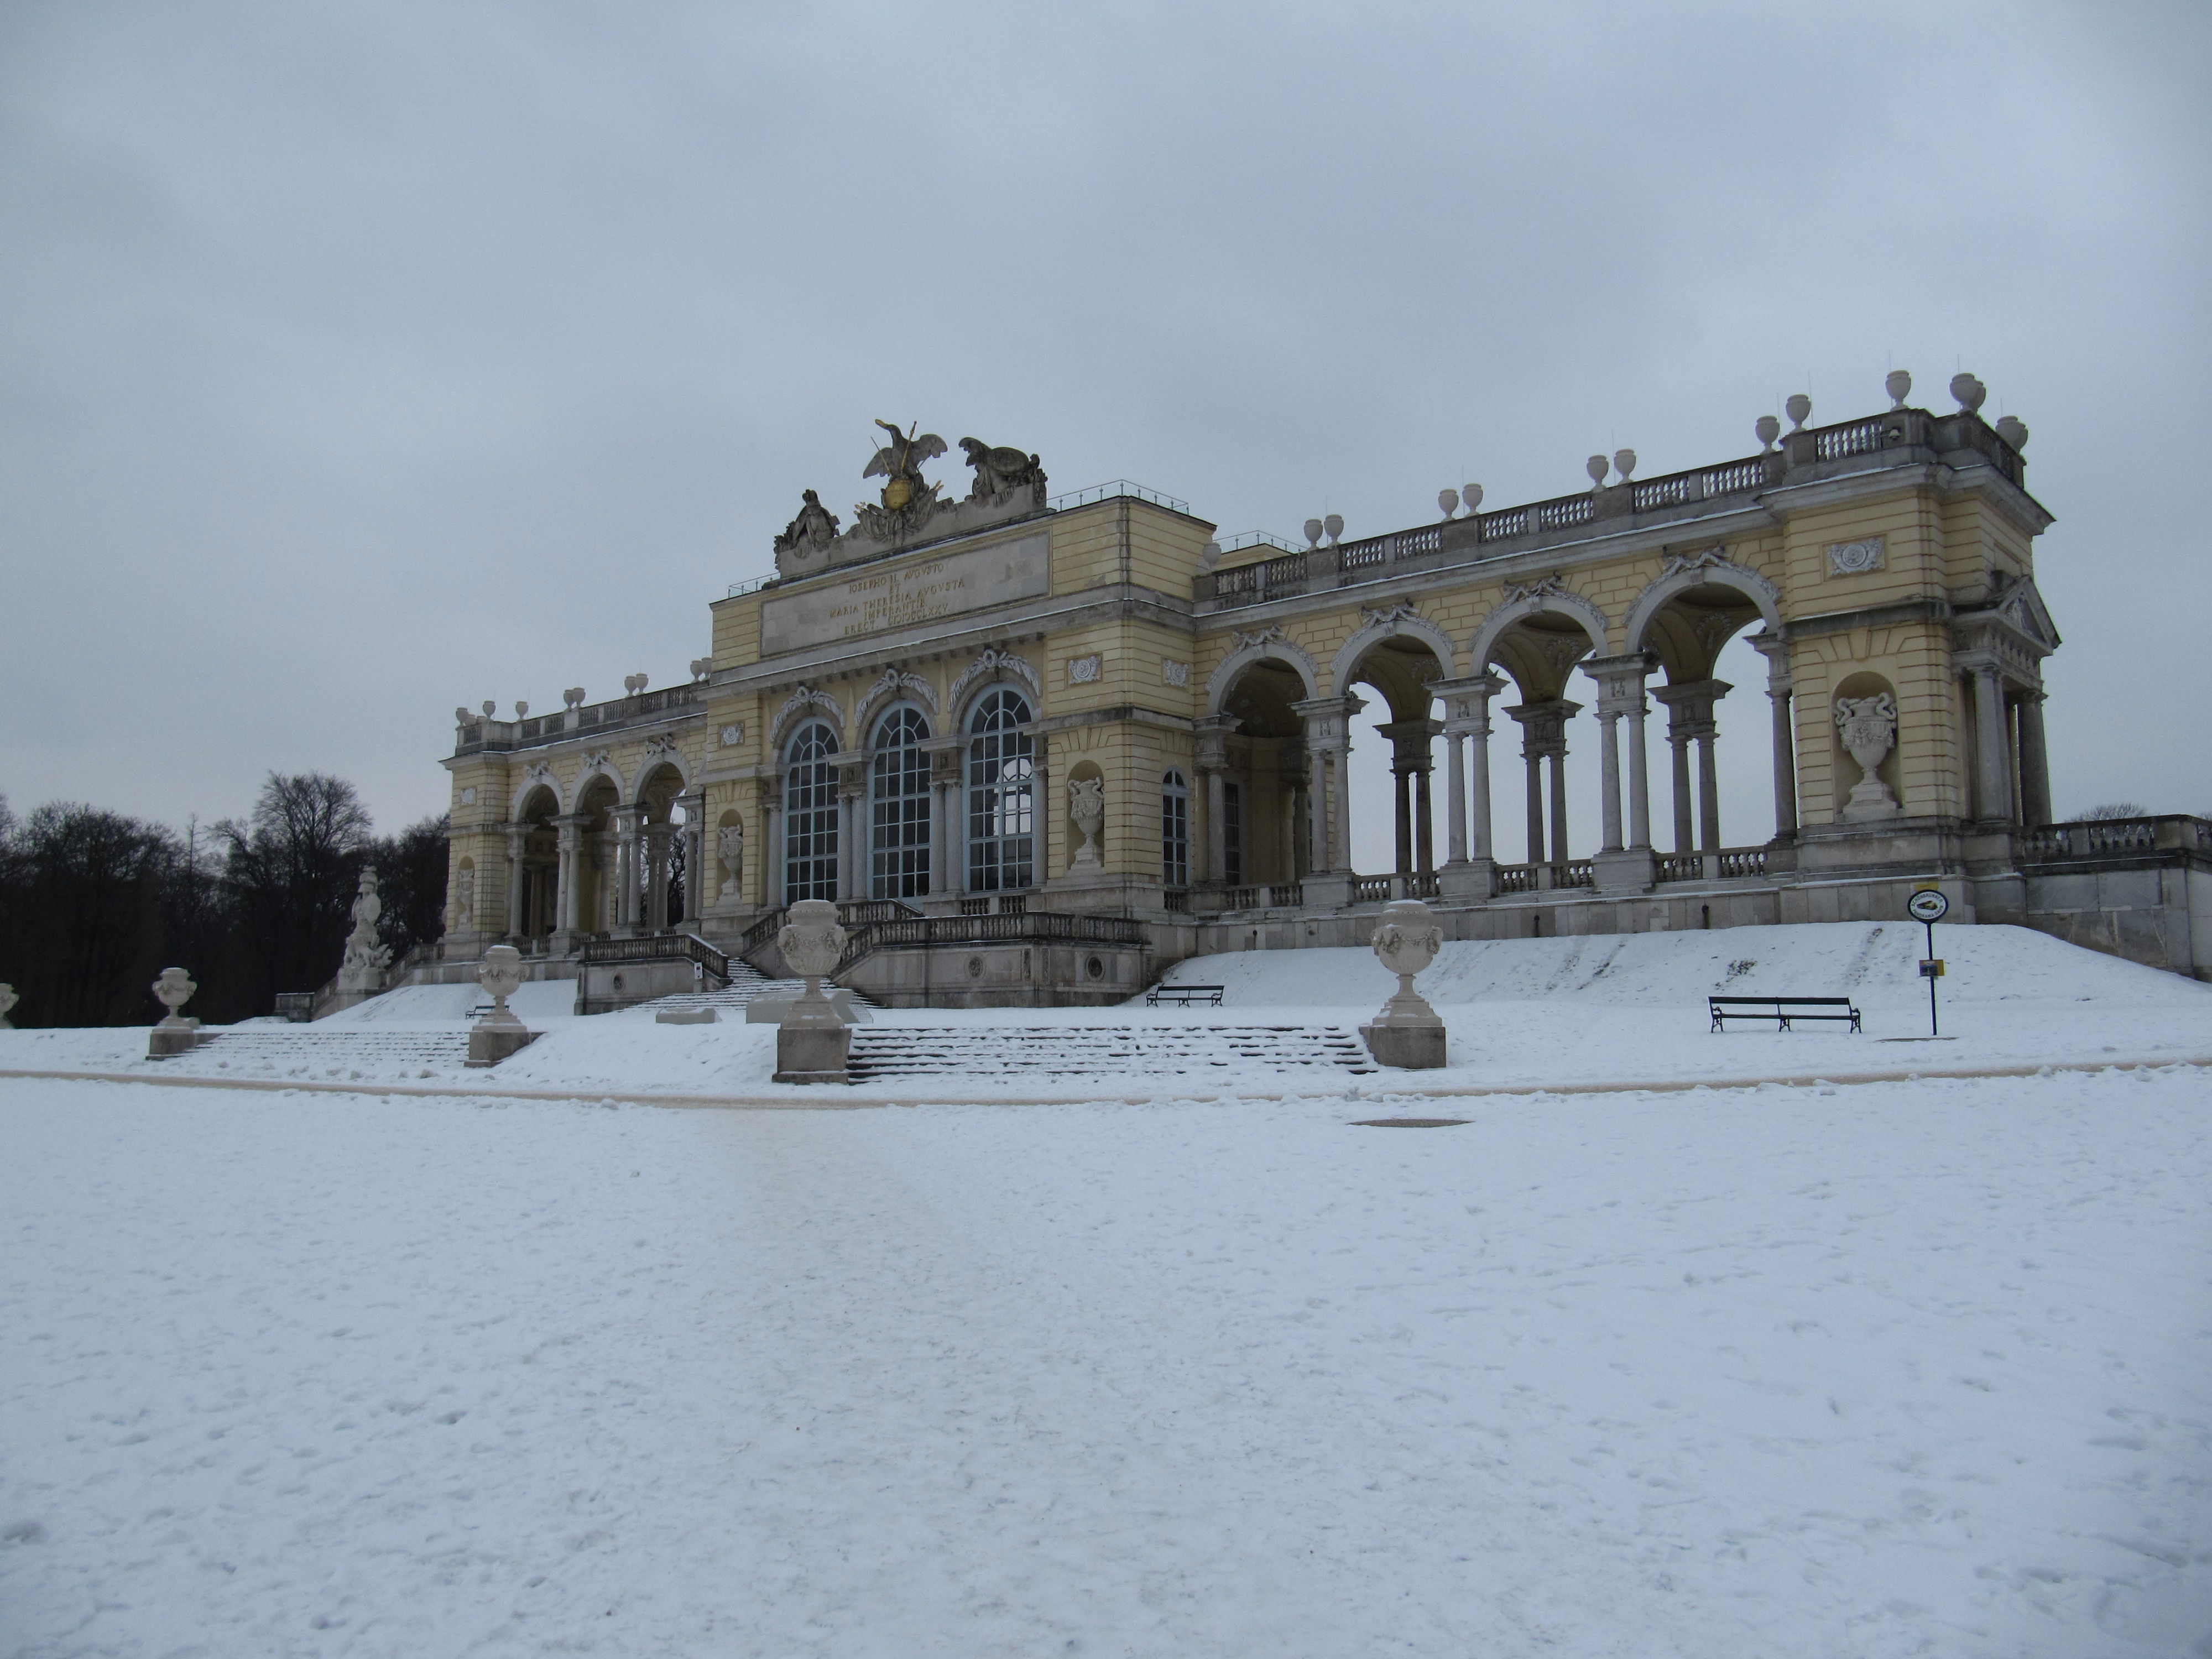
902, 458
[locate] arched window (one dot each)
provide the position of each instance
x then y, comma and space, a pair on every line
1001, 805
1175, 829
899, 807
810, 815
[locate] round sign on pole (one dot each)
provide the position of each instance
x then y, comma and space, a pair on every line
1929, 906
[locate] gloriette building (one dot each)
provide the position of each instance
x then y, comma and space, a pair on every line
1040, 746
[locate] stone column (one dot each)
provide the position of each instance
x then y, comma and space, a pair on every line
515, 832
696, 896
2034, 764
944, 825
568, 839
1535, 765
1625, 864
1410, 761
626, 866
1045, 812
771, 852
1328, 741
1210, 757
655, 844
1401, 805
852, 838
1678, 739
1424, 833
1991, 735
1544, 737
1690, 711
1467, 710
1559, 758
1779, 690
1708, 793
1456, 800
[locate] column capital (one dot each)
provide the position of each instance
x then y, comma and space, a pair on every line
1619, 680
1328, 719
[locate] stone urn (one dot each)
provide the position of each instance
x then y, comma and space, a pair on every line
173, 1034
1086, 805
499, 1033
1407, 1032
1868, 727
8, 1000
812, 1042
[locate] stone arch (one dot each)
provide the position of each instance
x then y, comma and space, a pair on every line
895, 687
654, 759
594, 767
538, 777
1403, 624
984, 676
991, 668
805, 702
1551, 596
1713, 568
1272, 645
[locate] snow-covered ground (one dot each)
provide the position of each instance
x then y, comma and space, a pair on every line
1624, 1009
1900, 1369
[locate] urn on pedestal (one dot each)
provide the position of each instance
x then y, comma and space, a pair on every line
1868, 727
499, 1033
1407, 1032
812, 1042
173, 1034
8, 1000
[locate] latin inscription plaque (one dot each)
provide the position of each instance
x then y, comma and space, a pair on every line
907, 594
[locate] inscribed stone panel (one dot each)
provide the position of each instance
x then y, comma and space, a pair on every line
906, 594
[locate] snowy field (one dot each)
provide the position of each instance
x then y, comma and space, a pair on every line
1885, 1369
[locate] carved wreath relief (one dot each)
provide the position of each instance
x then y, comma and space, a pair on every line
1857, 558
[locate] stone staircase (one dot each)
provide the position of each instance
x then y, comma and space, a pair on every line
304, 1051
1213, 1053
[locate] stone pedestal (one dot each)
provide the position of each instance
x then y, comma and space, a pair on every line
1634, 871
488, 1044
1413, 1047
172, 1036
812, 1054
1471, 879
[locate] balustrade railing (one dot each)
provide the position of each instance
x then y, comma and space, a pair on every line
1516, 877
1681, 866
1044, 926
2094, 838
1852, 438
1738, 863
1576, 872
658, 947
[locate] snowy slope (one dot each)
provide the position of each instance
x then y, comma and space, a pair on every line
1874, 963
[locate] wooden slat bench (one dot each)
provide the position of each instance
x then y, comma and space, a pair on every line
1782, 1010
1184, 996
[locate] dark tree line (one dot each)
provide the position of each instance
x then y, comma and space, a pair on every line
94, 904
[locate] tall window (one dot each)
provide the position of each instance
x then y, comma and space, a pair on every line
1233, 833
899, 807
1001, 808
810, 815
1175, 829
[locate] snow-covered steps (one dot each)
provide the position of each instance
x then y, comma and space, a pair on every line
1211, 1051
307, 1052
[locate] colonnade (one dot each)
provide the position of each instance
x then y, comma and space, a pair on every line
637, 858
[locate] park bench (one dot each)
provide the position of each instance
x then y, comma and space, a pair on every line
1783, 1010
1183, 996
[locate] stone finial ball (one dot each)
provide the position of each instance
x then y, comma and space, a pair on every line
1447, 501
2013, 430
1597, 467
1899, 387
1313, 532
1799, 408
1767, 429
1334, 525
1624, 462
1470, 496
1969, 391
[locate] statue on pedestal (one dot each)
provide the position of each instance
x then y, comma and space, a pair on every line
366, 959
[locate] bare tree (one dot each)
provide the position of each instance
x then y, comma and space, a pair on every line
289, 874
411, 879
2111, 810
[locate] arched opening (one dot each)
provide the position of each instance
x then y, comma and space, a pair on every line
535, 884
1692, 634
1001, 795
1392, 760
599, 896
898, 806
810, 813
1265, 827
666, 883
1539, 652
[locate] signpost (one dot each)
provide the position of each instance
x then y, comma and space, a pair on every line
1929, 907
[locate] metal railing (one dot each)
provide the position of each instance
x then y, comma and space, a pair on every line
658, 947
1112, 488
738, 590
1255, 538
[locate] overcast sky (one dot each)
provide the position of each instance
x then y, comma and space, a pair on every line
361, 360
